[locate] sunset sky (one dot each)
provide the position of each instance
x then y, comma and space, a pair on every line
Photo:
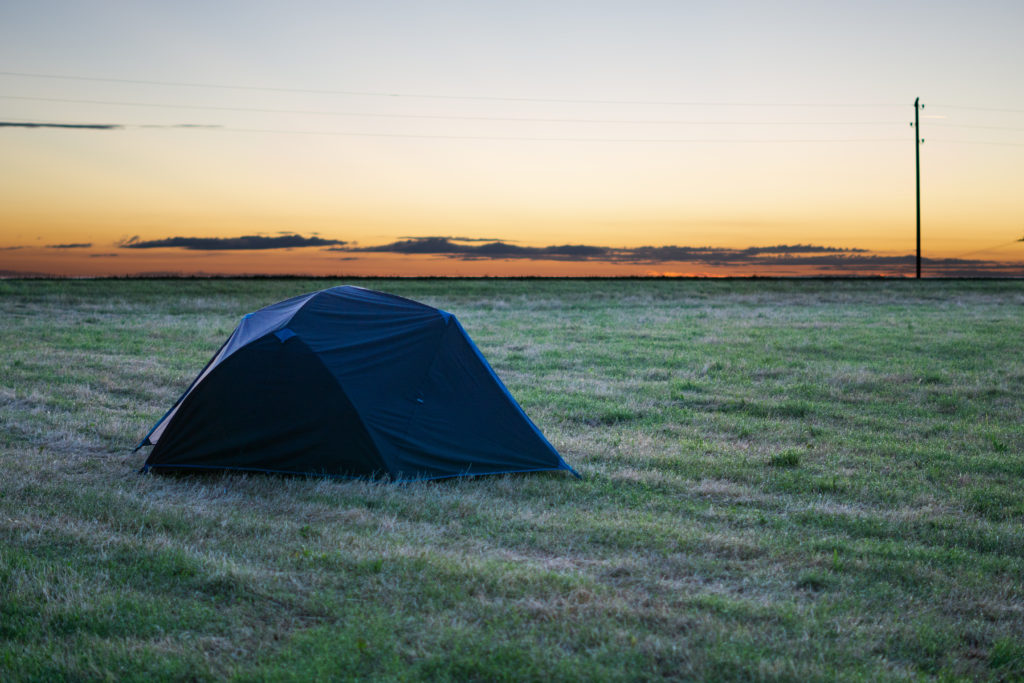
509, 138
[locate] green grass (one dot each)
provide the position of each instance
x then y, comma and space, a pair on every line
811, 480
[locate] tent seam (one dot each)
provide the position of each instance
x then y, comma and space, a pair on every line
213, 358
512, 399
181, 398
355, 410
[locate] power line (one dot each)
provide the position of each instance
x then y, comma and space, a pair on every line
964, 125
556, 139
979, 251
227, 129
975, 142
368, 93
961, 106
284, 131
445, 116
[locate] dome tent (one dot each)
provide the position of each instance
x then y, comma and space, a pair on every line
349, 382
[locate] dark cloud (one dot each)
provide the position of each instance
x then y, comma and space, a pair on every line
956, 267
10, 248
100, 126
75, 126
75, 245
801, 249
110, 255
416, 245
825, 259
722, 256
492, 250
563, 251
503, 250
840, 260
247, 243
456, 239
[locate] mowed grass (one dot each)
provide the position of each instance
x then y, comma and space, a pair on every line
810, 480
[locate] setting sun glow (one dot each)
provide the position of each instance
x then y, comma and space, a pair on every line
535, 138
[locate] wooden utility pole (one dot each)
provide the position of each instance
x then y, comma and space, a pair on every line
917, 150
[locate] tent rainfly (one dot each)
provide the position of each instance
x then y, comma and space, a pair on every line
349, 382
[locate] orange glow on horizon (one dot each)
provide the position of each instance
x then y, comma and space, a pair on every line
670, 125
92, 262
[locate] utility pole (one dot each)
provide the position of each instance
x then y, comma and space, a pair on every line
917, 155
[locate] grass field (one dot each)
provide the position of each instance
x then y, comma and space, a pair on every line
810, 480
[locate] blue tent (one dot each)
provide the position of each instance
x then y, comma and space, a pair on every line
349, 382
